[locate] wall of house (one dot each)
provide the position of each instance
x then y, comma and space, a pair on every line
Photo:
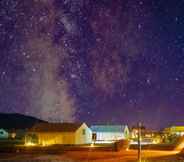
83, 135
3, 134
126, 132
56, 138
68, 138
109, 136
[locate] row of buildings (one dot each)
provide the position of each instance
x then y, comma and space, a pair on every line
79, 133
70, 133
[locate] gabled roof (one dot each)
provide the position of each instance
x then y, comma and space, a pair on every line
55, 127
108, 128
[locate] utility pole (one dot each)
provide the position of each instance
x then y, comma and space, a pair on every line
139, 141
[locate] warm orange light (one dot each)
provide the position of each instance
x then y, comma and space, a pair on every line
29, 144
13, 135
47, 143
92, 145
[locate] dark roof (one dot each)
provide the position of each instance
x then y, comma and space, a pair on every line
108, 128
55, 127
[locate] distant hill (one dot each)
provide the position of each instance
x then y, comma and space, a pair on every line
17, 121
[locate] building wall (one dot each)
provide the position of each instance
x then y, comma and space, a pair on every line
56, 138
83, 135
177, 130
109, 136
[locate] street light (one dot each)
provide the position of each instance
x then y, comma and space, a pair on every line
139, 141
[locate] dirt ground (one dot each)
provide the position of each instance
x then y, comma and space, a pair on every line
96, 156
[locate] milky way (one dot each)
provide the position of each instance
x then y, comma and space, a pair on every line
93, 60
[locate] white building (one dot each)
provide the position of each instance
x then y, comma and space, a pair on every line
109, 133
59, 133
3, 134
177, 130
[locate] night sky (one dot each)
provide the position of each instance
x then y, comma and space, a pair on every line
98, 61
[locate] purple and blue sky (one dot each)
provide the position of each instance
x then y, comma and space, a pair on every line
99, 61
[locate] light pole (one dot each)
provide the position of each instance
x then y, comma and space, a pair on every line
139, 141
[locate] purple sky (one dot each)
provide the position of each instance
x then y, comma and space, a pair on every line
99, 61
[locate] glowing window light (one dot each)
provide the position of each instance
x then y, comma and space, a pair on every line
30, 144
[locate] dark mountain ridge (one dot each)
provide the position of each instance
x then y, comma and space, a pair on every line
17, 121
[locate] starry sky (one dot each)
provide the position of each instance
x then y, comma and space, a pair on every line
98, 61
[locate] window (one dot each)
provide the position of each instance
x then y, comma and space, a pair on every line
83, 131
94, 136
1, 132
